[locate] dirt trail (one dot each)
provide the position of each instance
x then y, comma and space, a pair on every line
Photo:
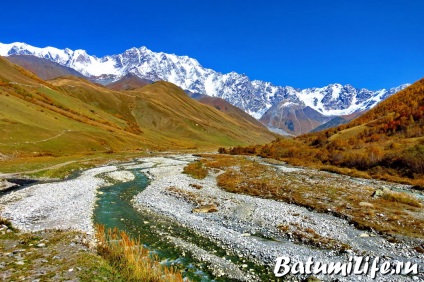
14, 174
39, 141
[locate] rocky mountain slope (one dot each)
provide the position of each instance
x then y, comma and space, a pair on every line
253, 96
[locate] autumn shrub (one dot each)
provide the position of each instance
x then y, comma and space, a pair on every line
413, 159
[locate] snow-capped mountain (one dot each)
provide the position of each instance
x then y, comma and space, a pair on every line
255, 97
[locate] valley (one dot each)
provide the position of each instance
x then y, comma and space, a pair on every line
140, 155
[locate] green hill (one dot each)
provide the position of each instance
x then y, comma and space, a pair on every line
73, 116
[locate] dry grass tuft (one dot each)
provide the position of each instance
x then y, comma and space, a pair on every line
197, 186
6, 222
310, 237
420, 249
191, 197
133, 261
196, 170
400, 197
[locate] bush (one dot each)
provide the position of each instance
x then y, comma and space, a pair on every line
413, 159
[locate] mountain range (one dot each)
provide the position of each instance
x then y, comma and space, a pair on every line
284, 109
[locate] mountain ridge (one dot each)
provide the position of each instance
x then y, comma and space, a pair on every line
253, 96
43, 68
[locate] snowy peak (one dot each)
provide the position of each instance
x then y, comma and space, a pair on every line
78, 59
254, 97
49, 53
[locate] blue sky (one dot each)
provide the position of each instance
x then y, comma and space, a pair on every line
303, 43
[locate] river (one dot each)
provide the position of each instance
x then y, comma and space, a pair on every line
114, 209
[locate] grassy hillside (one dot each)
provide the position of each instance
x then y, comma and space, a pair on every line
236, 113
387, 142
72, 116
225, 107
164, 109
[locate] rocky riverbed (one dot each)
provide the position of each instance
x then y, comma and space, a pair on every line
63, 205
245, 232
246, 226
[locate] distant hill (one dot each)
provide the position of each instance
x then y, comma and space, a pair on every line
128, 82
164, 107
229, 109
336, 121
43, 68
71, 115
329, 124
292, 118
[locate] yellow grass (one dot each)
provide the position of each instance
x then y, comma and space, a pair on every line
400, 197
196, 170
133, 261
322, 192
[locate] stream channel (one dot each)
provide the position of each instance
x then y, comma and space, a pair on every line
115, 209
